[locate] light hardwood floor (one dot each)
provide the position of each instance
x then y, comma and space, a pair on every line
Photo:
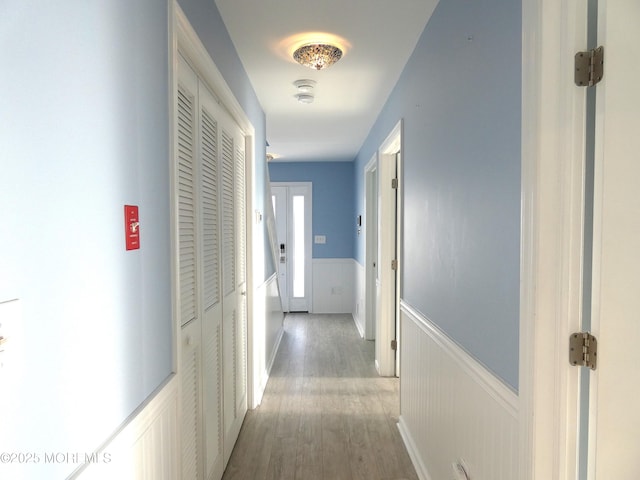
325, 414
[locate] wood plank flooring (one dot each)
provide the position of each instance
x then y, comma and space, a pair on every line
325, 414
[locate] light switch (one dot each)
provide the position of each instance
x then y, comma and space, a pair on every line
320, 239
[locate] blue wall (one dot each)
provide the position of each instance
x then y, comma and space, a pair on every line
333, 202
459, 97
85, 130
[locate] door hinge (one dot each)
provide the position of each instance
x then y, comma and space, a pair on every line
589, 67
394, 344
583, 350
394, 183
394, 264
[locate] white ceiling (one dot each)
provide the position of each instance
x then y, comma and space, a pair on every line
378, 36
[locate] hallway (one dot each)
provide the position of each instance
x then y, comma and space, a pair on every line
325, 414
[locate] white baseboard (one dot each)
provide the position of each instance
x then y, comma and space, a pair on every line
358, 325
412, 449
452, 408
358, 299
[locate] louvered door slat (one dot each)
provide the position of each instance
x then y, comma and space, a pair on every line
186, 206
228, 215
210, 223
241, 213
190, 394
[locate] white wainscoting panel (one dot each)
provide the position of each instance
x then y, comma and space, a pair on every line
358, 298
452, 408
267, 331
333, 285
147, 446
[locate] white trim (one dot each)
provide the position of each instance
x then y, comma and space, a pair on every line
173, 199
371, 246
388, 216
393, 142
359, 293
331, 260
551, 236
413, 451
499, 391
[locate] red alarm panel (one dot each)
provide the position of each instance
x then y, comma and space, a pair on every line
131, 227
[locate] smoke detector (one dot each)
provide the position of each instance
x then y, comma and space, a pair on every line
305, 88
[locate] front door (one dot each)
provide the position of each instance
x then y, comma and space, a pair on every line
614, 430
292, 209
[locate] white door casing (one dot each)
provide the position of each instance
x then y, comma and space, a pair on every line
387, 285
279, 200
295, 272
553, 152
371, 249
399, 240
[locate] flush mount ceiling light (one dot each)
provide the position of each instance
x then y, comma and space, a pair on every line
317, 55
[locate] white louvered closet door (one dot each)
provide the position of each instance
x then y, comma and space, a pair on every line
241, 276
212, 248
210, 113
190, 366
234, 324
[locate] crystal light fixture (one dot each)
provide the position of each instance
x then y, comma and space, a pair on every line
317, 55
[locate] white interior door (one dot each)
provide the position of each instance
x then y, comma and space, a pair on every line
386, 284
233, 286
614, 430
190, 318
292, 207
208, 181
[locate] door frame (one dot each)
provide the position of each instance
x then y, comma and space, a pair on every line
184, 38
283, 281
553, 149
308, 233
389, 220
371, 246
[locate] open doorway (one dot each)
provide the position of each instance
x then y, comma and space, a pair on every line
383, 240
